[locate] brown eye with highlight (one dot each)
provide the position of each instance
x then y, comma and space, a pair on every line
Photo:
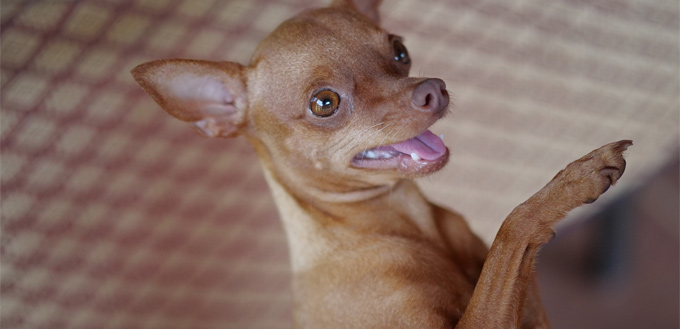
400, 52
324, 103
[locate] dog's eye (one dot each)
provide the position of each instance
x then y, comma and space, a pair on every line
400, 52
324, 103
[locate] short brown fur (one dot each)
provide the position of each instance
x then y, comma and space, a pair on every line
368, 250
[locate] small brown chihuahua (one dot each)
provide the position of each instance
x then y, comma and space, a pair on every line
341, 130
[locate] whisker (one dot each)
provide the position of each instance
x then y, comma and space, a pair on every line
378, 132
390, 134
360, 135
373, 133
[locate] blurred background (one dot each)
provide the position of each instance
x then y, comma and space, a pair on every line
115, 215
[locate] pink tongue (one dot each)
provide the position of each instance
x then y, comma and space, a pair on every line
427, 146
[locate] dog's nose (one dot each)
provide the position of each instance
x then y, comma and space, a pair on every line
431, 96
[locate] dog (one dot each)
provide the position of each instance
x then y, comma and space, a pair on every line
341, 131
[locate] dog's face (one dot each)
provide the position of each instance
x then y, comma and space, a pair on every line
327, 98
331, 88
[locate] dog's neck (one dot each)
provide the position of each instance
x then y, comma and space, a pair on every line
314, 226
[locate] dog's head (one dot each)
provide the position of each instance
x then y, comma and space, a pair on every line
326, 101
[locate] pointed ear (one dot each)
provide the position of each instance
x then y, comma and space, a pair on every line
367, 7
211, 96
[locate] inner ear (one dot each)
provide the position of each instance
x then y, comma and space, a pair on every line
211, 96
368, 8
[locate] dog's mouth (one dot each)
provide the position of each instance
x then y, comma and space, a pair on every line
421, 154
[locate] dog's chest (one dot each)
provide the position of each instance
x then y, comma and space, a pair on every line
400, 284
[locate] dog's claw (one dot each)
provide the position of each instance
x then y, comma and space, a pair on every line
596, 172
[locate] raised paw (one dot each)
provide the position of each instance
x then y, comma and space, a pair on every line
588, 177
582, 181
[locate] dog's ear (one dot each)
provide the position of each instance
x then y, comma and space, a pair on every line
210, 96
367, 7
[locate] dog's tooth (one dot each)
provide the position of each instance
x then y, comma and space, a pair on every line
370, 154
415, 156
441, 136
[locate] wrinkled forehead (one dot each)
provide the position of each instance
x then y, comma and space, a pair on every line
322, 35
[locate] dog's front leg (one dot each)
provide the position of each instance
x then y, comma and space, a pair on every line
507, 275
534, 313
